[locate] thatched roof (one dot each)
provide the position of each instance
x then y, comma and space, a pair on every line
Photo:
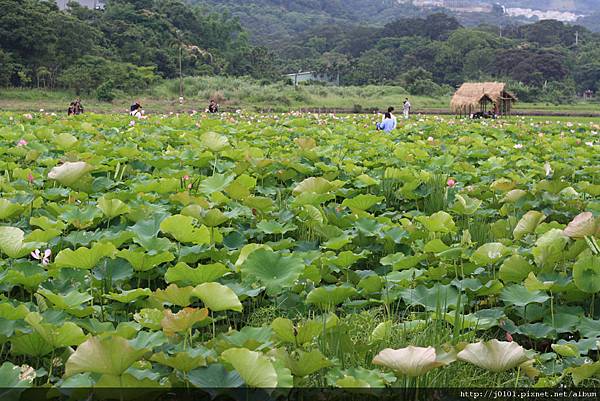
470, 95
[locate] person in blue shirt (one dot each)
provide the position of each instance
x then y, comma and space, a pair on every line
388, 123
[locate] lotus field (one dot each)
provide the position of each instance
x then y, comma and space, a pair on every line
298, 250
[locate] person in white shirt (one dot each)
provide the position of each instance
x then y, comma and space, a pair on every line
406, 108
393, 117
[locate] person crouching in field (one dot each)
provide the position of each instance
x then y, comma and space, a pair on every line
136, 110
387, 125
71, 110
213, 107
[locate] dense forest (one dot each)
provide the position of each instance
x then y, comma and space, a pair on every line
129, 45
132, 44
547, 59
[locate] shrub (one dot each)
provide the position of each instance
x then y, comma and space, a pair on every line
105, 93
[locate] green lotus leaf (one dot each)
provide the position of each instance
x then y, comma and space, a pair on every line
149, 318
214, 142
10, 312
329, 296
182, 361
71, 301
435, 246
304, 363
45, 223
318, 185
346, 259
514, 195
274, 227
465, 205
514, 269
216, 183
495, 356
182, 274
64, 140
85, 258
549, 248
182, 321
217, 297
107, 355
362, 202
212, 218
489, 254
112, 207
215, 376
304, 333
12, 242
583, 372
9, 209
142, 261
67, 334
528, 223
183, 230
566, 350
30, 344
69, 172
247, 250
352, 382
273, 270
174, 295
440, 222
28, 274
518, 295
442, 297
584, 224
537, 330
586, 274
129, 296
255, 368
399, 261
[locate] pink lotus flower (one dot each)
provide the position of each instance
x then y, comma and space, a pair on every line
43, 257
189, 186
22, 142
131, 123
30, 178
28, 116
509, 337
518, 146
451, 183
186, 177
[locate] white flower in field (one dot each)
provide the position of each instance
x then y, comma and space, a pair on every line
42, 257
590, 143
541, 134
518, 146
27, 373
41, 110
430, 139
495, 356
409, 361
10, 118
28, 116
547, 169
569, 124
131, 123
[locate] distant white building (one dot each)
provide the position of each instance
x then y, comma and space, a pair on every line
308, 76
93, 4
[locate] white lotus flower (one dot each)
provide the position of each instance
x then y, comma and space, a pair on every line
495, 356
518, 146
409, 361
547, 169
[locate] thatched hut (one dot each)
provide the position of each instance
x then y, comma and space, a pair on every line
482, 97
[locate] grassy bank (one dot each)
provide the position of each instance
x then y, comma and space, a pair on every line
240, 93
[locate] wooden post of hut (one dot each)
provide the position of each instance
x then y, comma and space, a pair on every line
481, 96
